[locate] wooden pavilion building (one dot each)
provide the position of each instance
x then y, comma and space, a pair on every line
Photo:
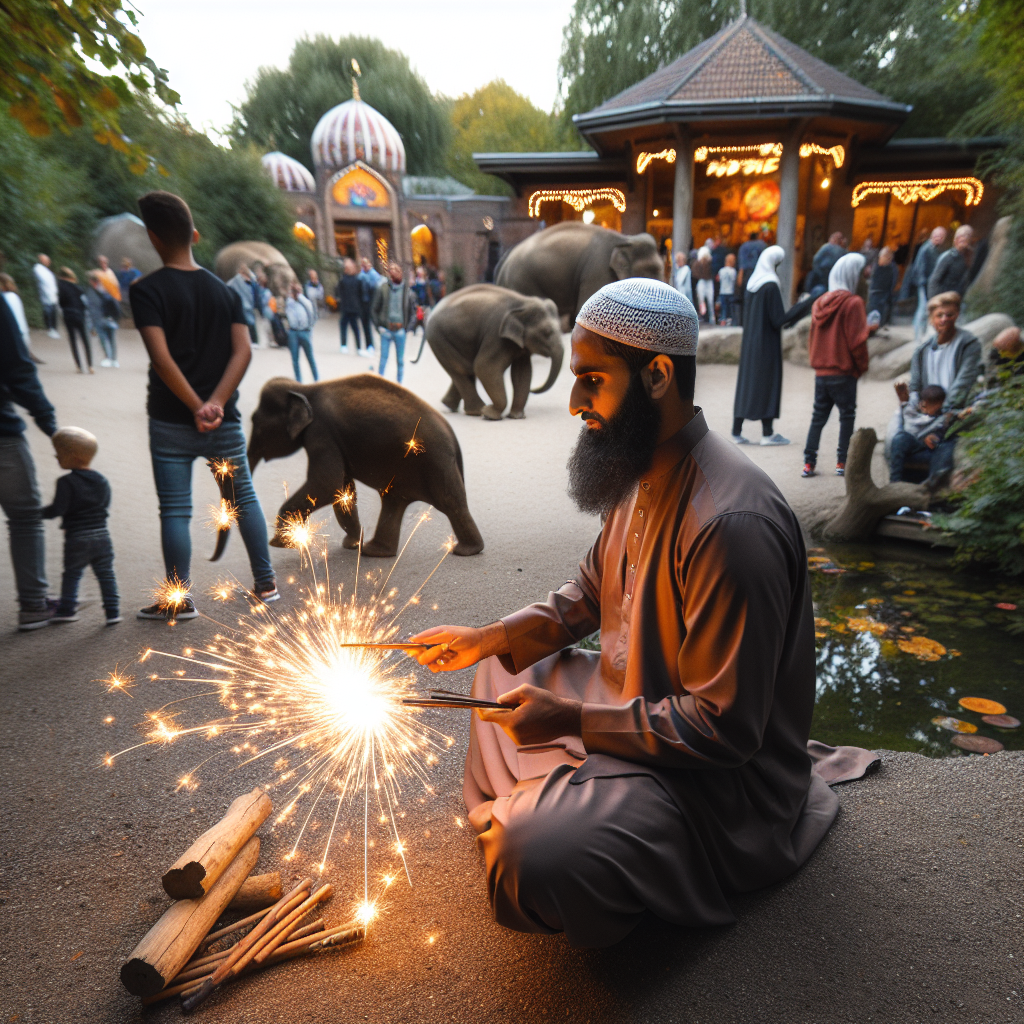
746, 133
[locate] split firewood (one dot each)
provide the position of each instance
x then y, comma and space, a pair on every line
170, 943
195, 871
257, 892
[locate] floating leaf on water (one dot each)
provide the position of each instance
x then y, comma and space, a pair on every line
875, 600
909, 593
1001, 721
1006, 606
982, 705
921, 647
866, 625
867, 565
818, 635
818, 560
833, 572
839, 627
954, 724
908, 629
953, 653
972, 622
977, 744
821, 623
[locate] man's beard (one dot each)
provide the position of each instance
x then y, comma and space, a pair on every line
606, 464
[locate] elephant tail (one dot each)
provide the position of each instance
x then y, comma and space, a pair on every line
226, 485
423, 342
222, 543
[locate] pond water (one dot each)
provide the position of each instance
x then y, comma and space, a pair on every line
901, 638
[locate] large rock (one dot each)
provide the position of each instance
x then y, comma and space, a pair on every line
980, 292
719, 345
125, 235
795, 341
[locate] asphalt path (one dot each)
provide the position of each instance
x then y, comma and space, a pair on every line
909, 911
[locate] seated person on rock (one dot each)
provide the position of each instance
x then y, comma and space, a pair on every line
672, 769
951, 357
1005, 359
921, 435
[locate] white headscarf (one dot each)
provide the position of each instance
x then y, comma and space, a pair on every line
765, 269
703, 253
845, 273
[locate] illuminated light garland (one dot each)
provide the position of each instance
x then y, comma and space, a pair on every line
578, 199
922, 189
753, 165
763, 149
837, 153
644, 159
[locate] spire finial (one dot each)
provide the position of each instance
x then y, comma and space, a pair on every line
355, 74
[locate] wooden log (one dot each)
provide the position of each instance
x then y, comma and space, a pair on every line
866, 503
198, 868
169, 944
257, 892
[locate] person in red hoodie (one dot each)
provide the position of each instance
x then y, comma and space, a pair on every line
838, 350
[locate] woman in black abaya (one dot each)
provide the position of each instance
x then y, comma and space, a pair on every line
759, 382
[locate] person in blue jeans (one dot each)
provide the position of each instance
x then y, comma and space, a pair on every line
301, 316
198, 342
393, 307
19, 491
82, 502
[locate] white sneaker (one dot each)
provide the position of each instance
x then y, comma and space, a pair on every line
52, 333
738, 439
775, 439
106, 362
116, 365
344, 350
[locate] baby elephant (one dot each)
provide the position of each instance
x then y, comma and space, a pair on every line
368, 429
479, 332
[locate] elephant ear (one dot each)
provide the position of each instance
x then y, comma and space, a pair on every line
621, 262
300, 413
512, 328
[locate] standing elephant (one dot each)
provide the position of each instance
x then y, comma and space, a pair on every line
279, 274
125, 236
479, 332
570, 261
360, 428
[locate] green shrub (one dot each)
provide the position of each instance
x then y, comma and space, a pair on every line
988, 518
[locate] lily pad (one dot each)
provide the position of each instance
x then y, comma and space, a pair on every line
977, 744
982, 705
866, 625
953, 724
921, 647
1001, 721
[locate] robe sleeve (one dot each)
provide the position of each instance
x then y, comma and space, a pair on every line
566, 617
774, 310
737, 583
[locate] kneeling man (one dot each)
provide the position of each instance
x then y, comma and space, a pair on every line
672, 769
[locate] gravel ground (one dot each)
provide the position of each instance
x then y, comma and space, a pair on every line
909, 911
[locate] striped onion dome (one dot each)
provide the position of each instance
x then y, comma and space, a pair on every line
353, 130
288, 174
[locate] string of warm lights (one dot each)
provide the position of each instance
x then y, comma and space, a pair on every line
922, 189
578, 198
763, 149
837, 153
644, 159
752, 165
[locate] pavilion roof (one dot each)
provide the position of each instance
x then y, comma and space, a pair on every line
745, 67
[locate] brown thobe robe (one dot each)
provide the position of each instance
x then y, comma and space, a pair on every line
692, 778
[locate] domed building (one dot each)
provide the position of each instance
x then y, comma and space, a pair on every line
362, 203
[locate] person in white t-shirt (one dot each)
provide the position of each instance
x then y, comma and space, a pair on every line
727, 289
682, 279
13, 299
46, 284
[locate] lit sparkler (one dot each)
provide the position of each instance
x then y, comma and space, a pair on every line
345, 499
171, 594
223, 516
414, 445
222, 469
327, 719
118, 682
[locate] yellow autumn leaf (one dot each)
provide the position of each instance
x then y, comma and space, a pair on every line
922, 648
839, 627
817, 560
866, 626
982, 706
875, 600
953, 724
818, 635
821, 623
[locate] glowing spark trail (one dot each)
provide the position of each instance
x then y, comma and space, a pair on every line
222, 468
223, 516
171, 594
326, 719
414, 445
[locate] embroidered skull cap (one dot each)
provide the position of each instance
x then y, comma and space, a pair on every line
644, 313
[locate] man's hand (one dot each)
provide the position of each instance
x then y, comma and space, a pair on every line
902, 391
931, 441
539, 715
208, 416
460, 647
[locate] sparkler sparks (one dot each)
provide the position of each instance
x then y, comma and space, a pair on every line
222, 469
171, 594
326, 719
414, 445
345, 499
119, 682
223, 516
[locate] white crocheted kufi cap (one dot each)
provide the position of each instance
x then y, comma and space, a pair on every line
645, 313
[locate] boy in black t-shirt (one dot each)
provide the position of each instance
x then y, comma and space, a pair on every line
198, 342
82, 501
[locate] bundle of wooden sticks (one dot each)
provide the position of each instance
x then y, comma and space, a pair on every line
186, 954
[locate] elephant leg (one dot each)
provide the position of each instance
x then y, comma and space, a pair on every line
346, 511
389, 526
302, 504
452, 398
492, 376
449, 498
522, 375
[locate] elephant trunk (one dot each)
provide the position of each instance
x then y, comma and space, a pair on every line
556, 365
423, 342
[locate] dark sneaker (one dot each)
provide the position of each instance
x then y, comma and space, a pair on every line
809, 469
840, 469
164, 613
268, 596
36, 619
65, 615
113, 620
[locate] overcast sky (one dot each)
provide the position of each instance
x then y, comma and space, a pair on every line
212, 47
